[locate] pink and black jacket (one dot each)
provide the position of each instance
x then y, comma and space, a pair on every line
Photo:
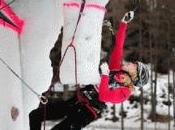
122, 93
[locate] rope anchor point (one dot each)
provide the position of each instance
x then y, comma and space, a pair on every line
43, 99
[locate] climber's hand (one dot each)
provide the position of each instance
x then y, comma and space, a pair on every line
128, 17
104, 68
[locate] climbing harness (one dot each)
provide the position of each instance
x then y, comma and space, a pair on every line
88, 97
83, 100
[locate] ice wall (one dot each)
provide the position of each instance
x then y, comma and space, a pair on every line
11, 91
87, 41
42, 25
30, 58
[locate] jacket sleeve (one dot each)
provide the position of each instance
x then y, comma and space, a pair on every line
117, 52
117, 95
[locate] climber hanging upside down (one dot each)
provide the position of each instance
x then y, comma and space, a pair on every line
117, 83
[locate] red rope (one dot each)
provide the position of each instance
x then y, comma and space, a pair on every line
71, 43
75, 59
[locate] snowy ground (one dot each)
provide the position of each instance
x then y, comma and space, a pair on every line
106, 125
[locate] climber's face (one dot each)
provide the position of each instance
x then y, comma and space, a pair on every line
130, 67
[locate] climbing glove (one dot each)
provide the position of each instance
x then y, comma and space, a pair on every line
128, 17
104, 68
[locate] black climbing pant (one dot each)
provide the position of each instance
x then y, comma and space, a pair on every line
74, 115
